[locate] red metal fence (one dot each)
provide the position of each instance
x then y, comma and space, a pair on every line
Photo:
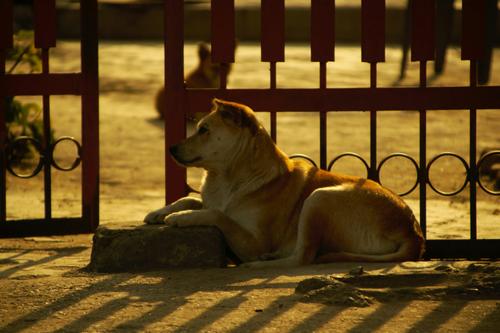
84, 84
181, 101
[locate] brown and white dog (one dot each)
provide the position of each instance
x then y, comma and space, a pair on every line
206, 75
274, 211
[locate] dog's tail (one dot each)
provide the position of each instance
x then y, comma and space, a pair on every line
408, 251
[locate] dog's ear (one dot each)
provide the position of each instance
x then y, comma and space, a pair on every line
238, 114
203, 51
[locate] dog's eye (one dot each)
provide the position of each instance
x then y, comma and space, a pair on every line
203, 130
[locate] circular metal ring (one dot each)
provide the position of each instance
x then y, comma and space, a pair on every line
332, 162
9, 151
305, 157
77, 160
479, 164
460, 158
408, 157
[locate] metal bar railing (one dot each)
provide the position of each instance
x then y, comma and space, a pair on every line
47, 181
272, 44
3, 139
422, 50
6, 42
45, 38
322, 50
175, 120
90, 113
373, 99
351, 99
473, 49
46, 84
372, 52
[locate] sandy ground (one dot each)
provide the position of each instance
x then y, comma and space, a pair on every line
44, 289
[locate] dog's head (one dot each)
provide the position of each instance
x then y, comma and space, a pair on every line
221, 135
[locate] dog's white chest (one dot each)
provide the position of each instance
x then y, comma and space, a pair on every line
216, 198
246, 216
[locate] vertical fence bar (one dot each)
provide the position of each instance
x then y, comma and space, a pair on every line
373, 31
223, 36
3, 139
373, 51
322, 50
272, 30
322, 30
6, 25
45, 23
473, 175
473, 49
90, 113
47, 182
422, 50
372, 172
272, 43
422, 30
175, 120
223, 31
45, 38
272, 85
423, 154
6, 31
473, 29
322, 118
423, 176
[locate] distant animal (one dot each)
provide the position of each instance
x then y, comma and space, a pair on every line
205, 75
275, 211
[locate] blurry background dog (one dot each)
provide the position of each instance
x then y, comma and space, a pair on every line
206, 75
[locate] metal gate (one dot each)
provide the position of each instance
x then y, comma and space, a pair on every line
84, 84
181, 101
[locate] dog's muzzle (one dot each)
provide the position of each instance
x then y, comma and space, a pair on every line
177, 155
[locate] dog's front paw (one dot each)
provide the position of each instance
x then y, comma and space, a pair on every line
179, 219
156, 217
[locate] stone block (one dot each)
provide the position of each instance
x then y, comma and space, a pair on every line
121, 248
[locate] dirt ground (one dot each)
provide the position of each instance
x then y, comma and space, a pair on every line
44, 289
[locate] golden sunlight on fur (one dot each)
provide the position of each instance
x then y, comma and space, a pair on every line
274, 211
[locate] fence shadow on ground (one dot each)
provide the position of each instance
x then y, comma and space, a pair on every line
127, 302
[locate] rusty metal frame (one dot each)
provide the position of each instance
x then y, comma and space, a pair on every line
45, 84
182, 102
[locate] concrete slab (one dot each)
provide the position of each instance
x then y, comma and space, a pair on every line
119, 248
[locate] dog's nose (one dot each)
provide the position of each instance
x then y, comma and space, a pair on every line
173, 150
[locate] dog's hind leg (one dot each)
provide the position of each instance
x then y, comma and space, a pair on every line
309, 235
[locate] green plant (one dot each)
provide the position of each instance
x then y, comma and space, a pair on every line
23, 119
24, 56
